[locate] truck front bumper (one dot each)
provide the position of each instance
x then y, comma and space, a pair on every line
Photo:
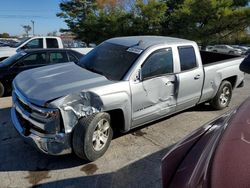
39, 126
56, 144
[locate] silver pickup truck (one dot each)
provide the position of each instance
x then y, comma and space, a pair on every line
122, 84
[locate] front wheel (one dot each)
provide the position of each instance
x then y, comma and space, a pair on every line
92, 136
223, 96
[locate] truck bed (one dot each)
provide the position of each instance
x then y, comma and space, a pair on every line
214, 57
218, 67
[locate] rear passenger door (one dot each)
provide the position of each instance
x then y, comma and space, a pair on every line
190, 78
58, 57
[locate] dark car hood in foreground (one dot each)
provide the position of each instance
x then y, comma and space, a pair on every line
50, 82
216, 155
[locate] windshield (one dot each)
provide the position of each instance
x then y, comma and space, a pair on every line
12, 59
110, 60
20, 43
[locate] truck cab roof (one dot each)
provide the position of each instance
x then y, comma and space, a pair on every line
144, 42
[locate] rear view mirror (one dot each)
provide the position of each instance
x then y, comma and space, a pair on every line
245, 65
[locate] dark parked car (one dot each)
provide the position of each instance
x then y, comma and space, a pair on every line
215, 155
29, 59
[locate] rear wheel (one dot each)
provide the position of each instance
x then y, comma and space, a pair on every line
92, 136
223, 96
2, 89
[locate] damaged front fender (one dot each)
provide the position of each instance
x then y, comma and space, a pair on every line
76, 106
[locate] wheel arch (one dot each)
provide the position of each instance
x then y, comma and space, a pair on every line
232, 80
117, 119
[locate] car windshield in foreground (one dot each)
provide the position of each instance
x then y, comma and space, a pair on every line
8, 61
110, 60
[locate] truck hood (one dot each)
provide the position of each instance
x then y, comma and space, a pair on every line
47, 83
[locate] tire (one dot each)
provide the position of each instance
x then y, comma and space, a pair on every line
90, 141
223, 96
2, 90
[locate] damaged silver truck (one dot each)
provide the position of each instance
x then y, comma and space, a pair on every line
122, 84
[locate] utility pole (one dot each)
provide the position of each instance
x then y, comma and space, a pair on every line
33, 27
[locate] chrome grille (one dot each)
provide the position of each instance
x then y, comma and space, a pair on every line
32, 117
24, 105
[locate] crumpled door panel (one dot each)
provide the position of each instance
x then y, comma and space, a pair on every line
153, 98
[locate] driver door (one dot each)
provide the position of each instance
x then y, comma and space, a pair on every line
155, 95
28, 62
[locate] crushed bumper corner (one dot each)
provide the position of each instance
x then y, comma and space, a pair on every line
56, 144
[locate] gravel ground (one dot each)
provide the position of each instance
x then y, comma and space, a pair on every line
133, 159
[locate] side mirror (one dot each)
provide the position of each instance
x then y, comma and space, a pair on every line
138, 76
245, 65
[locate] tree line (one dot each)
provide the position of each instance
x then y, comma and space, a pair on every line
205, 21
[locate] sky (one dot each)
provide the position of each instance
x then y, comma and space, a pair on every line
15, 13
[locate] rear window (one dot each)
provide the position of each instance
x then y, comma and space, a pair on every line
187, 58
73, 57
58, 57
51, 43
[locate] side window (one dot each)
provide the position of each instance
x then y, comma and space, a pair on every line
158, 63
187, 58
58, 57
33, 59
35, 43
51, 43
73, 58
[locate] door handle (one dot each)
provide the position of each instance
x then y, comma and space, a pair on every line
170, 82
197, 77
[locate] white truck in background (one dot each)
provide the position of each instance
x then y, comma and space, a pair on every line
37, 42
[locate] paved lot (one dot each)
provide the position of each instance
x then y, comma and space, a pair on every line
133, 159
